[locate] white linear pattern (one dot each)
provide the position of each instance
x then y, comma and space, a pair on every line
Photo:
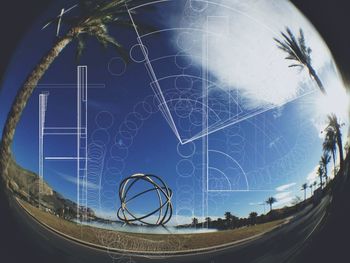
200, 107
42, 112
82, 142
80, 132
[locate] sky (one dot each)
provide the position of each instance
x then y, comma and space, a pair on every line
264, 118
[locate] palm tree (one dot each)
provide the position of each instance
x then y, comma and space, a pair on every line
304, 187
94, 19
325, 159
230, 219
228, 216
252, 217
330, 145
194, 222
270, 201
298, 52
208, 221
311, 186
320, 173
334, 127
347, 147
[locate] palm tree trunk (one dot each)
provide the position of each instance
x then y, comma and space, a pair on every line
23, 96
334, 170
340, 147
317, 79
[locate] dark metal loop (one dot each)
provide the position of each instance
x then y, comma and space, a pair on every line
165, 209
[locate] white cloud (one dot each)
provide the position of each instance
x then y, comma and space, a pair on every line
246, 57
336, 101
285, 201
285, 187
313, 176
277, 113
255, 204
275, 142
282, 195
107, 214
73, 180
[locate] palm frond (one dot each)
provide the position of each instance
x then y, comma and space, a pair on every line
305, 50
127, 24
329, 144
302, 41
116, 7
106, 40
93, 17
333, 122
295, 65
80, 47
295, 48
298, 51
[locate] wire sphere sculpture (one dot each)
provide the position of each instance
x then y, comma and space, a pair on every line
165, 210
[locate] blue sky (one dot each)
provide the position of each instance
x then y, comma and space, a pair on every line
274, 151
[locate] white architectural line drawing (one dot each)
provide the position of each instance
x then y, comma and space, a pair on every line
213, 119
80, 132
222, 154
42, 112
63, 158
156, 86
240, 191
69, 86
235, 113
82, 151
63, 131
58, 19
211, 153
201, 112
205, 139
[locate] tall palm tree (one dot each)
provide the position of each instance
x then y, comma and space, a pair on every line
93, 20
347, 147
311, 186
320, 173
330, 145
325, 159
304, 187
334, 127
195, 221
299, 53
270, 201
252, 217
208, 221
228, 218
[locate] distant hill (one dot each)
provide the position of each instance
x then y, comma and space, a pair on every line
26, 184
